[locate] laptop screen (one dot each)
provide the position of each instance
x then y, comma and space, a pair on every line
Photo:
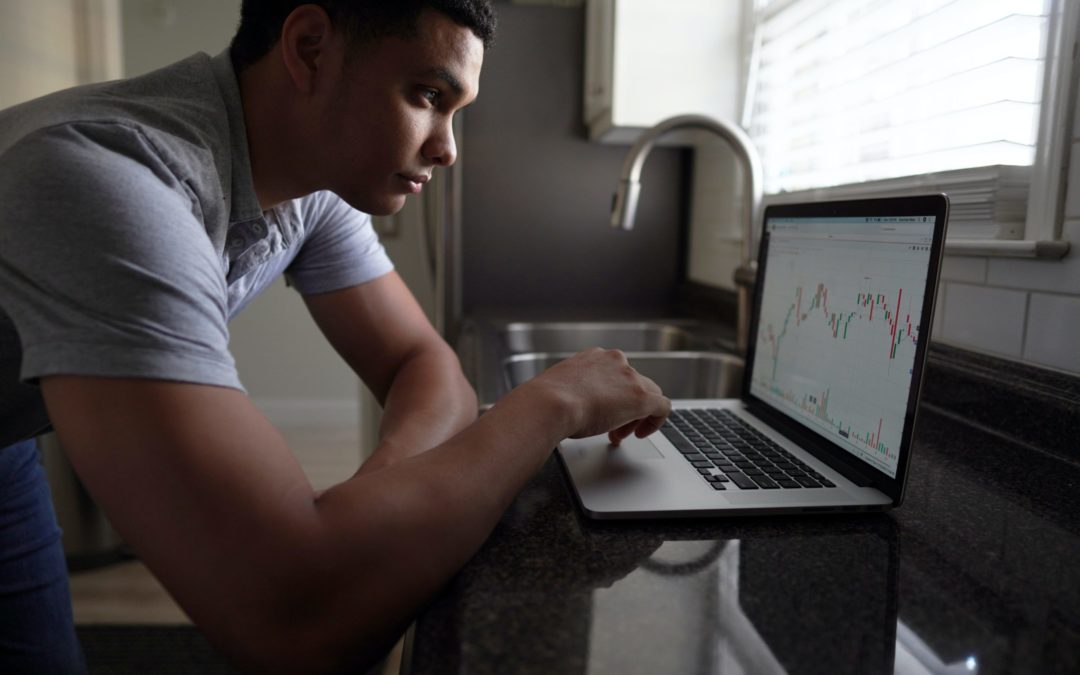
838, 326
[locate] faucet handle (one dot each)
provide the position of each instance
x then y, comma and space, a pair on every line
746, 274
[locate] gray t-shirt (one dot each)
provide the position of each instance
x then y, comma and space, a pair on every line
130, 234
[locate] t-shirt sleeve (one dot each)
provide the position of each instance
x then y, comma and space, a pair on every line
340, 247
105, 267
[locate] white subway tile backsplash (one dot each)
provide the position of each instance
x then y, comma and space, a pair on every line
985, 319
984, 303
1058, 276
1053, 331
960, 268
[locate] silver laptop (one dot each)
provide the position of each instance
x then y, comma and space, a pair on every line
838, 336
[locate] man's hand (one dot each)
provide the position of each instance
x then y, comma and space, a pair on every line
603, 393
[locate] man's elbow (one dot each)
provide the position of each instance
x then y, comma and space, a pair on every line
313, 645
303, 611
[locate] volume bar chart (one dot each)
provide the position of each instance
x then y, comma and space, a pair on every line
817, 405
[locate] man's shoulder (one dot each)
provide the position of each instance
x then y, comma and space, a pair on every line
178, 108
170, 127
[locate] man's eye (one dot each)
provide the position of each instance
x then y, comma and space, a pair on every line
431, 95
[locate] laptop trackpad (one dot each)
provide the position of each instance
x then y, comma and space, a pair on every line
637, 448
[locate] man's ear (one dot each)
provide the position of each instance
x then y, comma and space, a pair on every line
305, 38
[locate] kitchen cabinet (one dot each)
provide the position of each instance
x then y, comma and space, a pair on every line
647, 60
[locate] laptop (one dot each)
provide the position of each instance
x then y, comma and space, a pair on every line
839, 330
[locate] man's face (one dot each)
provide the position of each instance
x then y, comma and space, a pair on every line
388, 115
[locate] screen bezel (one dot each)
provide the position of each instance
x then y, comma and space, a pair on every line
921, 205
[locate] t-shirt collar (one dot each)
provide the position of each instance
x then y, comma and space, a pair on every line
243, 202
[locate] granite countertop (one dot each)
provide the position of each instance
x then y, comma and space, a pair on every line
977, 572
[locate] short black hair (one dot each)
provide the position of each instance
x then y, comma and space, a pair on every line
363, 20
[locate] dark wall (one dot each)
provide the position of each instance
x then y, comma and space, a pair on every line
537, 194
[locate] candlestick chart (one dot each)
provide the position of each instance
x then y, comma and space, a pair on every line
837, 337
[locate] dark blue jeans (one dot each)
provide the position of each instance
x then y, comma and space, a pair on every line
37, 633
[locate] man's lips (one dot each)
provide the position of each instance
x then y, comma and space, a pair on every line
414, 182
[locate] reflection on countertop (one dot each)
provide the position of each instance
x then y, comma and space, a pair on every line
976, 573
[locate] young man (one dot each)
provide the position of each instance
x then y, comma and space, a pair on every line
138, 217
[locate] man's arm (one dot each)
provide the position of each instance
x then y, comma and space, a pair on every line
383, 334
206, 492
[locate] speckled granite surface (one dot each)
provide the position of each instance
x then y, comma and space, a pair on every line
1038, 406
978, 572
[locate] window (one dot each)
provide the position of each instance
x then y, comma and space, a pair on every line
864, 89
853, 97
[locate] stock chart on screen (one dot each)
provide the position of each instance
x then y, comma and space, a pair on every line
839, 325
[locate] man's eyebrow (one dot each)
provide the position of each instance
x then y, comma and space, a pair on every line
447, 77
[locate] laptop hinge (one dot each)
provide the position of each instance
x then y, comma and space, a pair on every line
851, 473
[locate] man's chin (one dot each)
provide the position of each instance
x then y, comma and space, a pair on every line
381, 206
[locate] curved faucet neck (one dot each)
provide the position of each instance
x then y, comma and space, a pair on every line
624, 205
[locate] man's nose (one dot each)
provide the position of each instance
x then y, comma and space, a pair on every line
440, 148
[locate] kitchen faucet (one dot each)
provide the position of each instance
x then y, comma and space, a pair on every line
624, 206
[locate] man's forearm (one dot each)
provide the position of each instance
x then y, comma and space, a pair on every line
412, 525
383, 334
429, 401
209, 495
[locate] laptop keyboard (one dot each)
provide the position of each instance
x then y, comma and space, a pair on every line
726, 450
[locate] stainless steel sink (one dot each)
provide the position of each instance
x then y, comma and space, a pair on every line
688, 357
689, 374
573, 337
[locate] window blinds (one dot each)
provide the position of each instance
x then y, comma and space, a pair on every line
850, 91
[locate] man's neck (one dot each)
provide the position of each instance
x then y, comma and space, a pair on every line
274, 135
